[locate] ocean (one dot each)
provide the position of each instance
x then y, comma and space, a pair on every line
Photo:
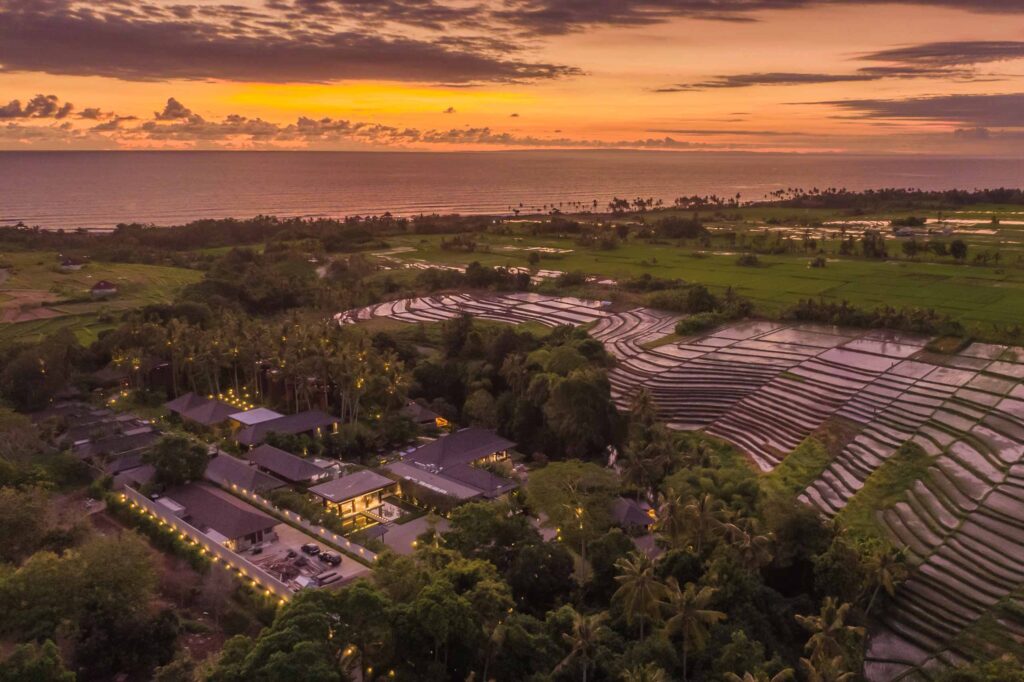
101, 189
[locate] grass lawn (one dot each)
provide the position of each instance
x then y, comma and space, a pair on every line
799, 469
975, 295
34, 280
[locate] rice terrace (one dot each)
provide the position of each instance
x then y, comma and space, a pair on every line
929, 459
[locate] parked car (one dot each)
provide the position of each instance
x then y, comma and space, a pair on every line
311, 549
330, 558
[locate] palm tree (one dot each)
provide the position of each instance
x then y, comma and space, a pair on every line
670, 517
691, 616
887, 570
639, 591
704, 518
829, 670
754, 549
587, 633
830, 636
645, 673
761, 676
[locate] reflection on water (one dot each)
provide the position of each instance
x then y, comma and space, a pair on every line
101, 189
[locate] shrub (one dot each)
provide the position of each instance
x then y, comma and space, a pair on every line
698, 323
917, 320
748, 260
909, 221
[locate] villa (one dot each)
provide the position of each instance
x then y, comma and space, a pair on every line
227, 520
205, 412
358, 493
103, 289
231, 472
286, 466
310, 422
448, 471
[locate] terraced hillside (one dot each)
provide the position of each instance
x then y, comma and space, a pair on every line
766, 386
508, 308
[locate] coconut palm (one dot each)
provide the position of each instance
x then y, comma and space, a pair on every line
690, 616
829, 670
761, 676
645, 673
636, 471
703, 518
670, 520
639, 591
887, 570
584, 640
754, 549
830, 635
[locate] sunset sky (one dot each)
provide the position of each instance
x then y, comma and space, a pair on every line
932, 76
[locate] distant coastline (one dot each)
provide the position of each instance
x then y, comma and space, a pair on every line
98, 189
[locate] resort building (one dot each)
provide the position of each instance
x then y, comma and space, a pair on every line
423, 416
252, 417
237, 474
222, 517
71, 264
631, 515
358, 493
285, 465
111, 447
448, 471
103, 289
310, 422
201, 411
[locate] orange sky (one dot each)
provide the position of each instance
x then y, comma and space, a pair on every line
643, 79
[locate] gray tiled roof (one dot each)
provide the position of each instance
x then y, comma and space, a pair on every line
291, 424
461, 447
419, 413
436, 482
627, 512
491, 485
284, 464
196, 408
207, 507
226, 470
353, 485
118, 445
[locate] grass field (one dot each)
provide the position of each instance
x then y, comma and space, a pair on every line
36, 288
972, 294
886, 486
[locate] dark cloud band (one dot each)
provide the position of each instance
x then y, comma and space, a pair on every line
114, 39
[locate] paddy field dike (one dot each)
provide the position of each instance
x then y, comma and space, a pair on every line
930, 456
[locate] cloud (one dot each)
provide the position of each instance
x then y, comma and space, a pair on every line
551, 17
950, 54
283, 42
177, 127
113, 124
40, 106
772, 78
173, 111
973, 133
966, 111
723, 132
944, 60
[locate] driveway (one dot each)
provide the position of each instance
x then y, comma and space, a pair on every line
399, 537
